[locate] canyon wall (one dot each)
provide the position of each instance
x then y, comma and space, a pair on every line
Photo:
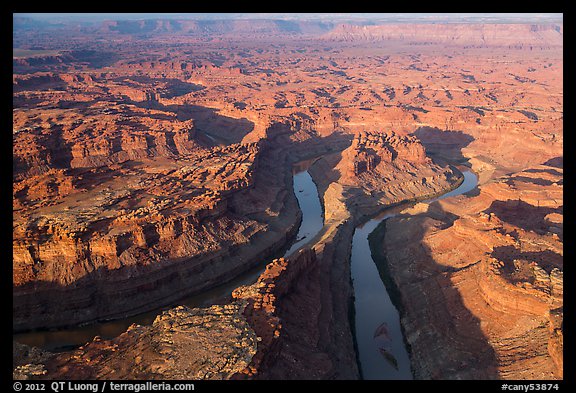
480, 280
117, 244
462, 34
145, 170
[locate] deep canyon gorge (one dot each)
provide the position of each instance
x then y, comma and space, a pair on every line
217, 199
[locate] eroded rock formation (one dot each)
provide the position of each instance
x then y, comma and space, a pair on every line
245, 338
102, 202
391, 168
481, 281
146, 169
479, 35
182, 343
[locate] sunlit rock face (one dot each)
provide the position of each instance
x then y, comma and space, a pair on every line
144, 168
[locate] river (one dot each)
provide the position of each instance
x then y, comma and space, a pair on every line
381, 350
312, 222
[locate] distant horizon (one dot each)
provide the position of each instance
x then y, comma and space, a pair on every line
328, 17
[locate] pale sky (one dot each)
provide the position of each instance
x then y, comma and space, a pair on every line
388, 17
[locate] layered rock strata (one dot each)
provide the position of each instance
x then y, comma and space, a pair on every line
249, 337
384, 169
298, 310
87, 110
477, 35
104, 250
480, 280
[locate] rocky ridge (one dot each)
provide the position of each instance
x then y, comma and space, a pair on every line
485, 279
467, 107
477, 35
117, 233
388, 168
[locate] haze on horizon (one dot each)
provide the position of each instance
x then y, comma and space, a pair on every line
341, 17
162, 163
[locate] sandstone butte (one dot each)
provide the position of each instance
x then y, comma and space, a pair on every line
145, 170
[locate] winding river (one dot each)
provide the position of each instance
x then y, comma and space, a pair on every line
312, 222
381, 350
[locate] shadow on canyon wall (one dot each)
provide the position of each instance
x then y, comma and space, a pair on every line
442, 318
444, 147
225, 129
316, 146
60, 150
106, 293
444, 144
523, 215
553, 172
533, 180
546, 259
557, 162
208, 120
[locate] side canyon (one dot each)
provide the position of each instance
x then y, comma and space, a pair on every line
154, 161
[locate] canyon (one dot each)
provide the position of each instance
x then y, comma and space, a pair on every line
153, 160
